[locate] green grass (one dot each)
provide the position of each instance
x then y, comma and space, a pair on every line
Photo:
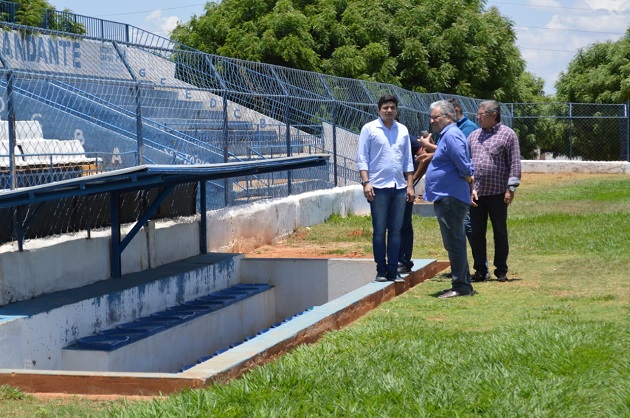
552, 342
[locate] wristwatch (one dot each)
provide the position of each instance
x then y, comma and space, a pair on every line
363, 183
511, 188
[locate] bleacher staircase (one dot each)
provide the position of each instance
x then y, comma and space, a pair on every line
201, 326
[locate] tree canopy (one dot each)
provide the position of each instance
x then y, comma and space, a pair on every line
451, 46
599, 73
31, 12
37, 12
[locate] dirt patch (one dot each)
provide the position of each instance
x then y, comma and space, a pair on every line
282, 249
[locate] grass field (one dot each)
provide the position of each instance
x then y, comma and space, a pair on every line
552, 342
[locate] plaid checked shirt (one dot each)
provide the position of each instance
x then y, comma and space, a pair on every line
496, 157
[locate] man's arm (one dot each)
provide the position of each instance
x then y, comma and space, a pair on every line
515, 161
411, 193
424, 158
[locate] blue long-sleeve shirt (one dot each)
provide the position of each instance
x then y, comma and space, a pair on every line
385, 154
448, 167
467, 126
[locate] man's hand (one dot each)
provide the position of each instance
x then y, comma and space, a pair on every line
411, 194
424, 156
368, 192
427, 143
474, 197
508, 197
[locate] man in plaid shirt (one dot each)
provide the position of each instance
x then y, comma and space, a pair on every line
496, 157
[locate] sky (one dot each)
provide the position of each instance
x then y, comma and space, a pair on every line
549, 32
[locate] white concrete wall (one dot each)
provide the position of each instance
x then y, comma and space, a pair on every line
70, 261
559, 166
245, 228
303, 283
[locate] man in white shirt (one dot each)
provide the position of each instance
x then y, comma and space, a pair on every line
386, 168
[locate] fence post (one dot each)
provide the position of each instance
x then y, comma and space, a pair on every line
628, 131
140, 158
11, 126
334, 138
570, 131
287, 120
226, 145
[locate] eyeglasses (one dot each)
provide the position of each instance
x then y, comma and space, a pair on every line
482, 114
435, 117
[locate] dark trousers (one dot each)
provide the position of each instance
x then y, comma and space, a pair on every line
450, 214
495, 208
387, 207
406, 236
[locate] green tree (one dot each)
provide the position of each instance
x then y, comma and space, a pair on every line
40, 13
599, 73
31, 12
452, 46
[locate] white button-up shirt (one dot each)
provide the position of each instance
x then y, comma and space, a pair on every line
385, 154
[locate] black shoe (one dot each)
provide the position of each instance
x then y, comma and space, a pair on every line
380, 277
479, 277
502, 277
395, 277
403, 269
454, 293
448, 275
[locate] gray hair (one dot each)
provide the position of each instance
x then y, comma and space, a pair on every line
490, 107
446, 108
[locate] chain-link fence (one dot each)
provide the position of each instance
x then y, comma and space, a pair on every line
578, 131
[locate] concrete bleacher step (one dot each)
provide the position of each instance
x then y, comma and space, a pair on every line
204, 117
251, 337
214, 125
203, 325
122, 90
144, 327
159, 103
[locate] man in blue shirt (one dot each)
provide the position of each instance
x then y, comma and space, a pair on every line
386, 168
448, 185
466, 125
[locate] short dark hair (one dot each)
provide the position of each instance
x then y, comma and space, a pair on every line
455, 103
387, 98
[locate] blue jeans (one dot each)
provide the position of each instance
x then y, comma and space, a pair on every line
388, 208
494, 207
406, 236
450, 213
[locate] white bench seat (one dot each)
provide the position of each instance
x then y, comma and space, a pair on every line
35, 151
